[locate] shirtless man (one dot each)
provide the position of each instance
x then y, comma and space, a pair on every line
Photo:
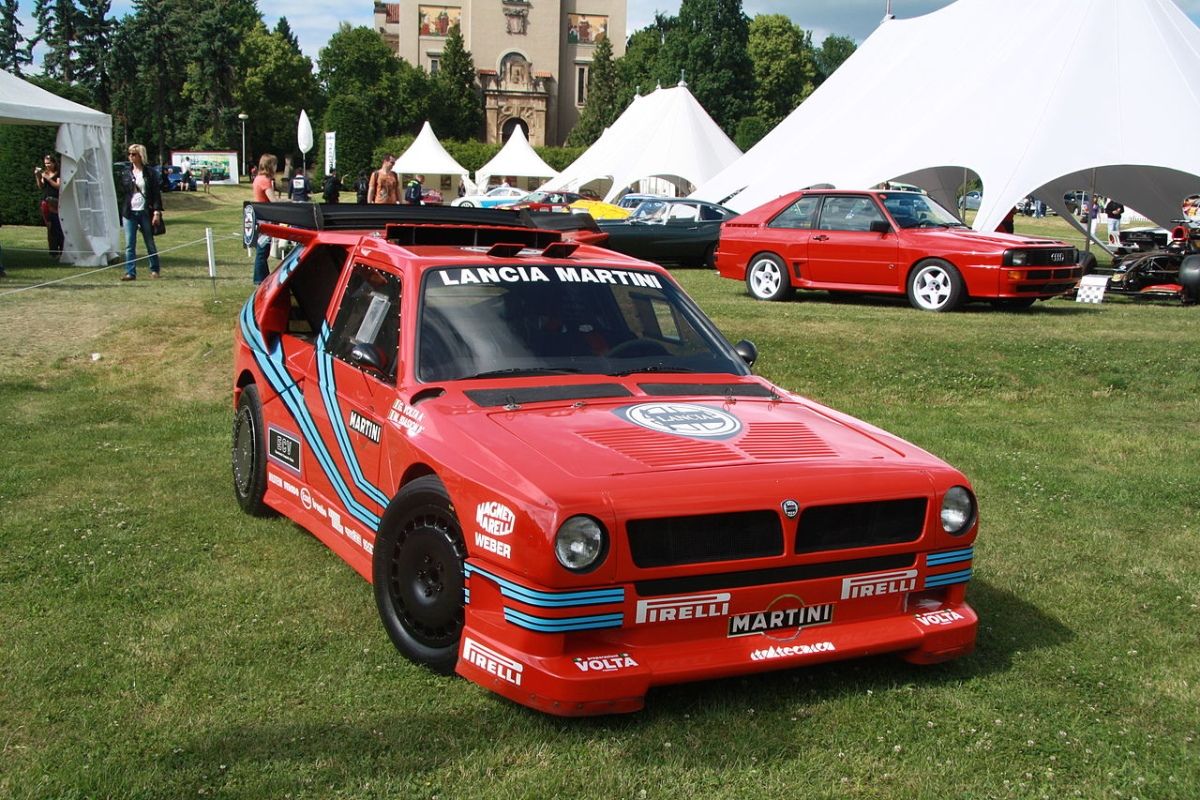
385, 186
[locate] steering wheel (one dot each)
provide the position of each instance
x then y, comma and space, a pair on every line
634, 348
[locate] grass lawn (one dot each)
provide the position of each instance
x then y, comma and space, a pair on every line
156, 643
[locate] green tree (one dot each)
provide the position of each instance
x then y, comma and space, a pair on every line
95, 30
641, 68
603, 98
285, 30
708, 47
784, 66
749, 131
14, 51
833, 51
277, 82
148, 71
57, 30
350, 116
458, 112
217, 33
356, 61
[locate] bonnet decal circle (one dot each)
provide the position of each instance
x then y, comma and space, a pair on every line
683, 419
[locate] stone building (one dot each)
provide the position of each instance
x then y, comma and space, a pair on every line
532, 56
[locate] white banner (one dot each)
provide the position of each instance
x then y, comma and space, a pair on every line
330, 151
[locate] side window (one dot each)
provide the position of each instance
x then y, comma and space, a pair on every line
849, 213
683, 212
709, 214
799, 215
366, 333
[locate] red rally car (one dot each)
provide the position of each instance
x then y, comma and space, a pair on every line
562, 481
884, 242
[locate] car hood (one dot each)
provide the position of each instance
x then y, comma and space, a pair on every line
969, 237
637, 435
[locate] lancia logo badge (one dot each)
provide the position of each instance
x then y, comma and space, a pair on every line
791, 508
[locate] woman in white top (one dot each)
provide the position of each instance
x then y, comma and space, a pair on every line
141, 207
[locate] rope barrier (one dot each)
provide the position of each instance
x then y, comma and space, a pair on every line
120, 263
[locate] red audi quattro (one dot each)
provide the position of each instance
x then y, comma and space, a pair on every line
899, 243
562, 481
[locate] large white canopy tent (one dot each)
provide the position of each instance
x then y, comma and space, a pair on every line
426, 156
517, 158
1032, 96
665, 134
87, 204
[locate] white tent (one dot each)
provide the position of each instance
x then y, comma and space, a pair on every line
1032, 96
666, 134
516, 158
426, 156
87, 204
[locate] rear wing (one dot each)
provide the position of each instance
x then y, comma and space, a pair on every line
371, 217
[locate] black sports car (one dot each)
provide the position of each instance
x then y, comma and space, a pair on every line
669, 230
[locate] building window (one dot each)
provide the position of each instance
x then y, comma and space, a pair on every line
581, 84
435, 63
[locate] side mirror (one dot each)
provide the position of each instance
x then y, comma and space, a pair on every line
746, 351
881, 226
366, 356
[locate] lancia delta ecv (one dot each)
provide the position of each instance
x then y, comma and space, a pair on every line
563, 483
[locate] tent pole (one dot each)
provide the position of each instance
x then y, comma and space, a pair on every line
1087, 228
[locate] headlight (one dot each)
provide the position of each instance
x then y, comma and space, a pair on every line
1016, 258
580, 544
958, 511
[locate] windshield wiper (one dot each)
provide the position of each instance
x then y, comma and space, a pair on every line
517, 372
651, 368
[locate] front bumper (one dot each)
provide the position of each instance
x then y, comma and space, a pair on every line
599, 651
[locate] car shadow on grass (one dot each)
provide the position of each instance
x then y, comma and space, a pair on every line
1054, 306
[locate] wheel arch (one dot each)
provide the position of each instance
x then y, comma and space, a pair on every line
916, 264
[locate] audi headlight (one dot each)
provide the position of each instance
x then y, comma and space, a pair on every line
1016, 258
580, 544
958, 511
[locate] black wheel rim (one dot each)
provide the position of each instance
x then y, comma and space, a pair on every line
243, 451
425, 583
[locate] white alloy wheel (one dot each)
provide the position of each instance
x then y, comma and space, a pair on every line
935, 285
766, 278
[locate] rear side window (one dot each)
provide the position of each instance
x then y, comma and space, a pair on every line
799, 215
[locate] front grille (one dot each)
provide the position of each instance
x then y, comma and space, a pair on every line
1051, 257
670, 541
860, 525
772, 575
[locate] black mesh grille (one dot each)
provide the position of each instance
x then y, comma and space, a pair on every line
860, 525
706, 537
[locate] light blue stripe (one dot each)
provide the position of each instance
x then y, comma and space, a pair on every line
564, 624
949, 557
551, 599
271, 364
333, 410
950, 577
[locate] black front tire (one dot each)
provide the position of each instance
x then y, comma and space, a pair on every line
417, 569
249, 454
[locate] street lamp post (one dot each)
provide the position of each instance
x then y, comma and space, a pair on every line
243, 117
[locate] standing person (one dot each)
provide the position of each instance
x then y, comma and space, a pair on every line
264, 192
333, 186
1006, 225
1113, 211
385, 186
300, 188
49, 181
412, 190
205, 177
141, 207
361, 187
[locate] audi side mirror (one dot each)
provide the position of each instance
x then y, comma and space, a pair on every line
881, 226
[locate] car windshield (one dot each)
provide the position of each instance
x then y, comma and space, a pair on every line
539, 319
911, 210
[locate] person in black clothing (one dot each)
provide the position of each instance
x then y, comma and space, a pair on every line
333, 185
362, 187
141, 205
1113, 210
50, 181
301, 187
412, 190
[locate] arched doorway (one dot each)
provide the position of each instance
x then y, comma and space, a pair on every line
510, 125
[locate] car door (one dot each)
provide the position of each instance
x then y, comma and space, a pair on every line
844, 251
351, 387
787, 234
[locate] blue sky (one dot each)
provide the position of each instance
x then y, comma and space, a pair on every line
313, 23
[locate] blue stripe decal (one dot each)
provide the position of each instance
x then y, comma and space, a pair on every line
329, 395
290, 263
962, 576
564, 624
273, 369
551, 599
949, 557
